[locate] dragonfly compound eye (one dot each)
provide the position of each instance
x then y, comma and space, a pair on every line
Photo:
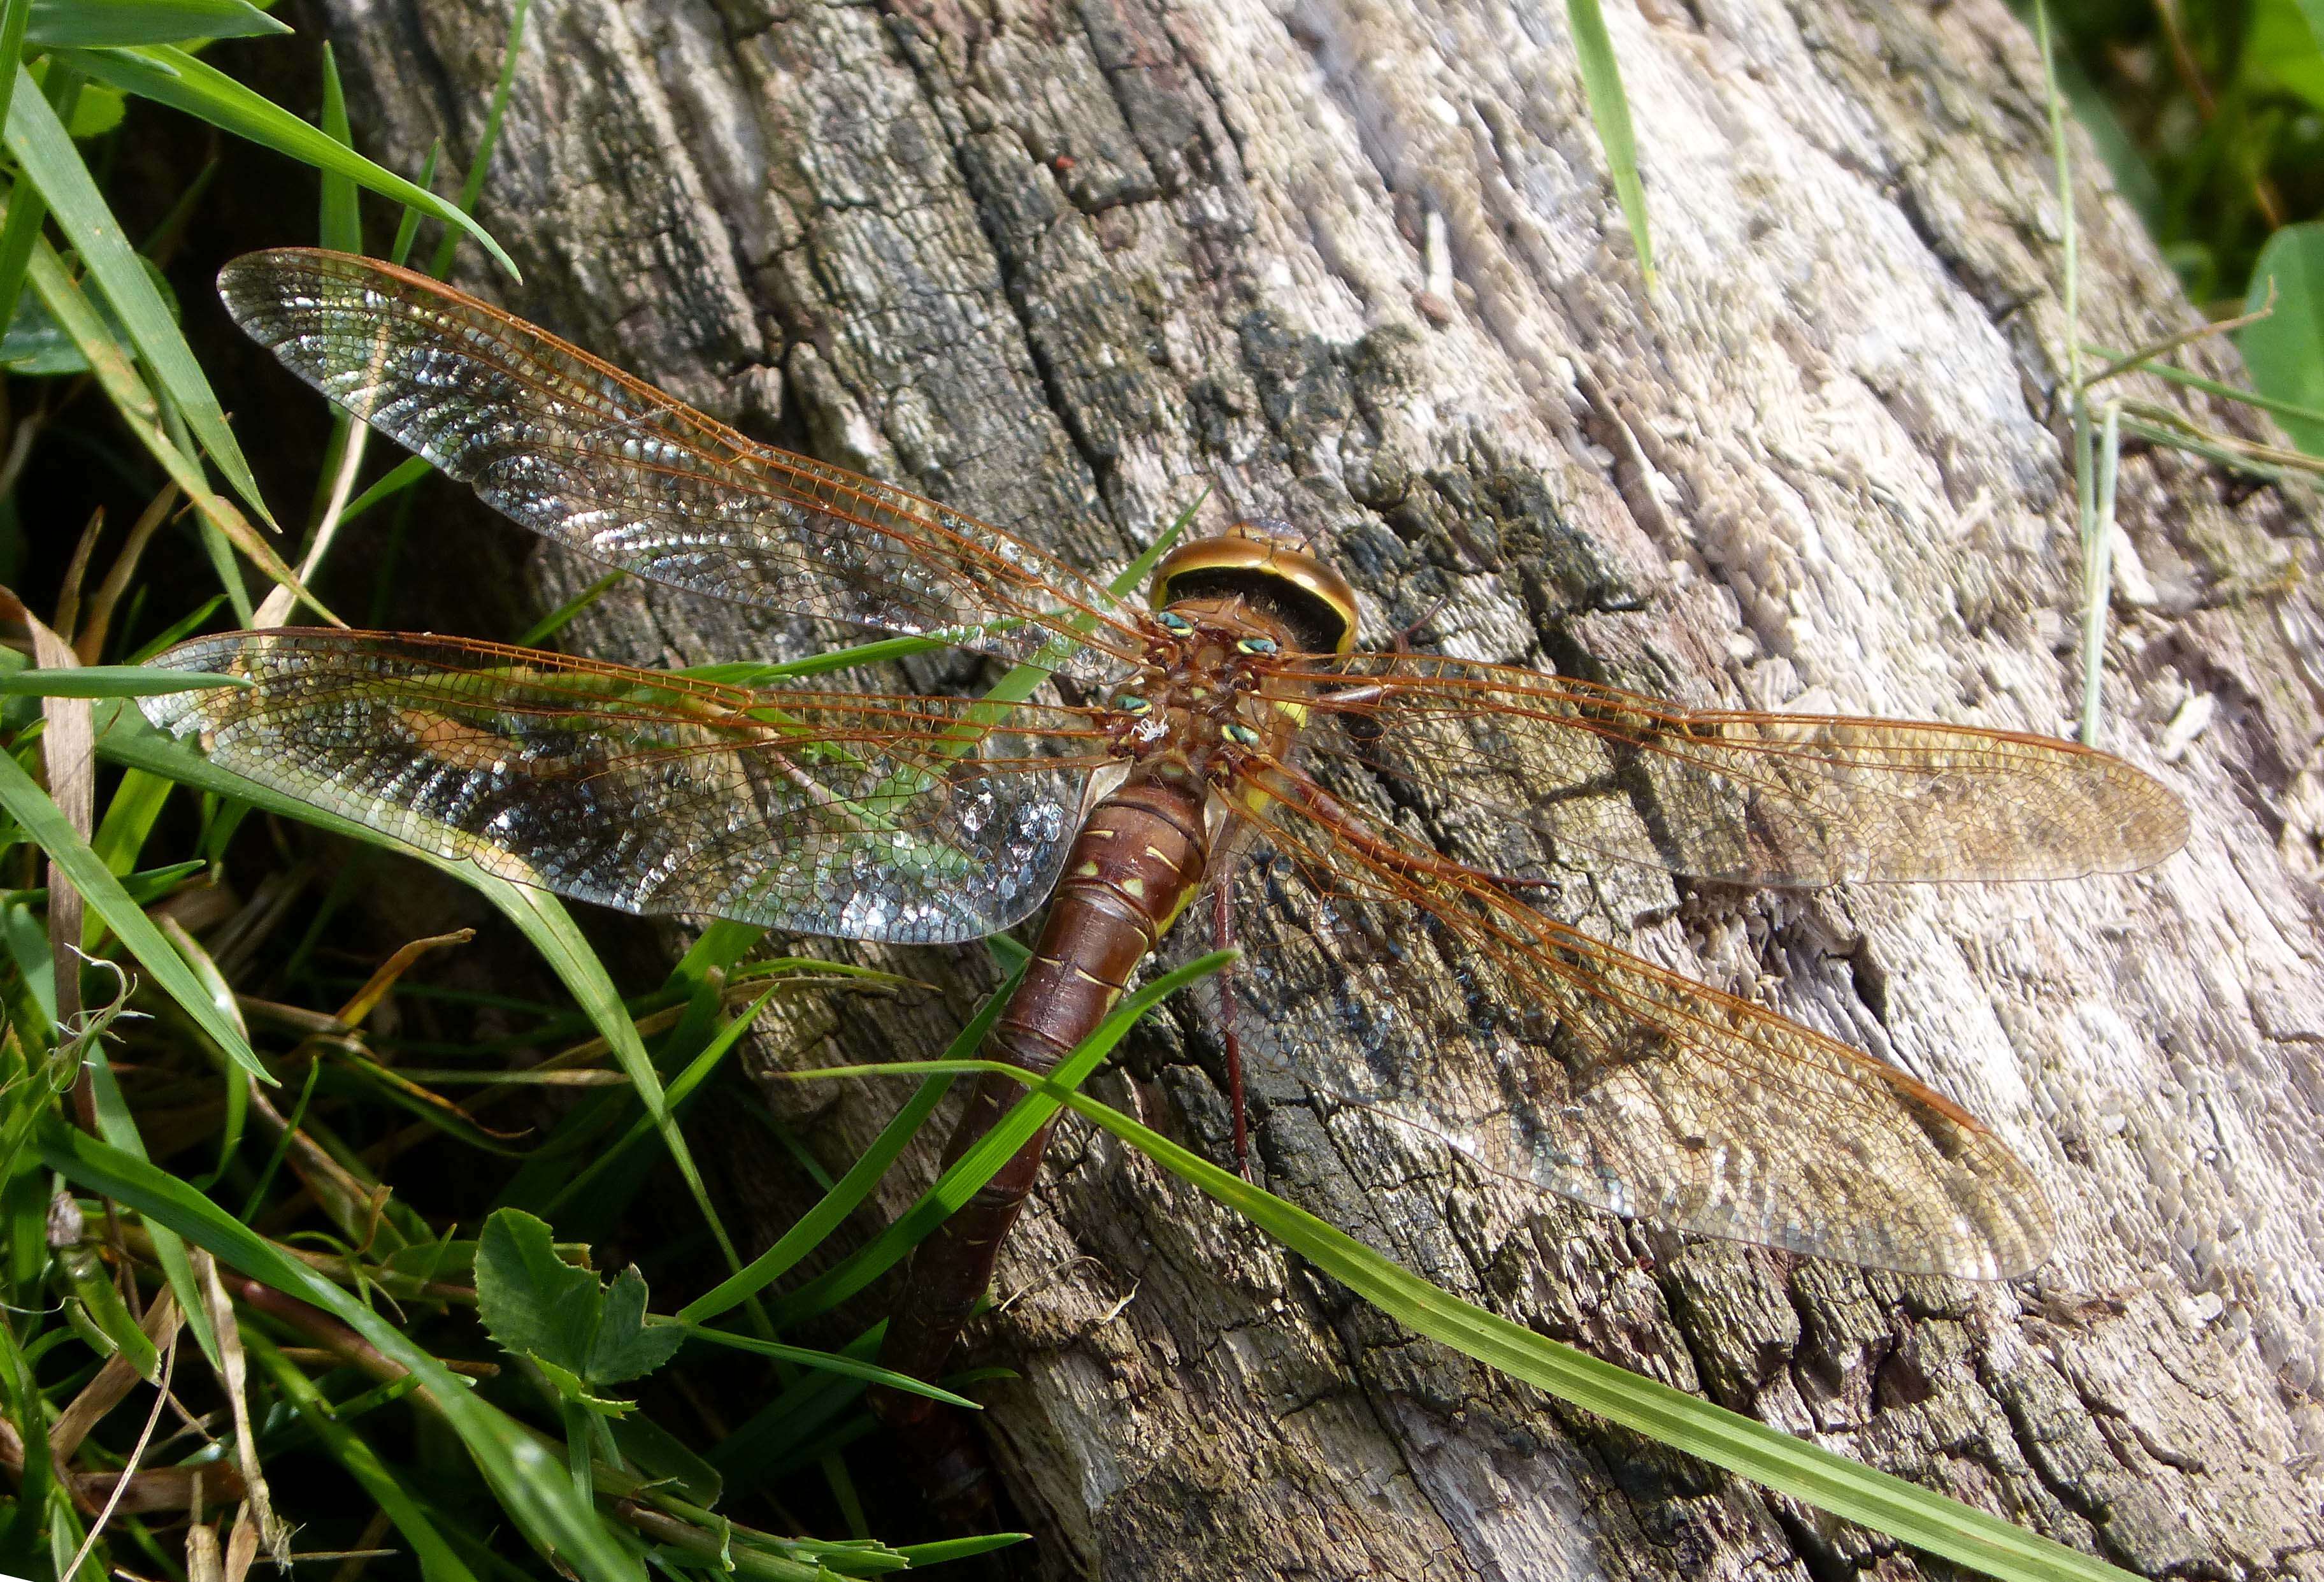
1260, 647
1174, 624
1131, 704
1240, 733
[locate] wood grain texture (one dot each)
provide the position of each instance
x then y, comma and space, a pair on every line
1063, 265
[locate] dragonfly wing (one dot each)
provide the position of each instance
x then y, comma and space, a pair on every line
854, 815
1756, 799
583, 454
1422, 992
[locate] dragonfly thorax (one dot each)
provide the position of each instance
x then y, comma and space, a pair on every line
1198, 700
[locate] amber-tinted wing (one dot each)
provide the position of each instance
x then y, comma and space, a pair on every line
1553, 1058
861, 816
1756, 799
582, 453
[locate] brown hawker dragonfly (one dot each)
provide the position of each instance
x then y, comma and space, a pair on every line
1230, 712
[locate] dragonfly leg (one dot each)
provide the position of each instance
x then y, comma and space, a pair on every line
1404, 638
1223, 903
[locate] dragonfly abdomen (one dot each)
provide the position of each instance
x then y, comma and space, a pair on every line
1138, 859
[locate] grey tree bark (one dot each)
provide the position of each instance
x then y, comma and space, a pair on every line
1359, 266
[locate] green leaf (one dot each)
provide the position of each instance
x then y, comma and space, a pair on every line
62, 22
45, 822
170, 76
626, 1347
2285, 350
38, 346
521, 1471
111, 681
53, 165
1609, 110
2282, 50
533, 1302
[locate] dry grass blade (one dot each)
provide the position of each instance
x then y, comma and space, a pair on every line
68, 747
136, 1454
77, 570
367, 998
88, 642
112, 1384
234, 1377
2169, 344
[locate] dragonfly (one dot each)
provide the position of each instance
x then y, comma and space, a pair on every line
1225, 739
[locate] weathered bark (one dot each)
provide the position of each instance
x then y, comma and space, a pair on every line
1062, 265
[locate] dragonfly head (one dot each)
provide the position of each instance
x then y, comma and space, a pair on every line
1270, 565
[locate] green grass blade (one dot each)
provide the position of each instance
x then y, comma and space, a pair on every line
829, 1362
407, 224
696, 1073
110, 681
59, 24
474, 185
352, 1451
542, 918
18, 236
853, 1188
2097, 573
2069, 240
129, 816
1749, 1448
15, 17
50, 162
46, 823
168, 76
141, 413
523, 1473
406, 473
338, 226
557, 620
975, 1167
117, 1128
960, 1548
779, 1431
1609, 110
27, 211
2194, 381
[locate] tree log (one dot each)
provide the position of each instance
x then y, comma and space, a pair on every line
1361, 266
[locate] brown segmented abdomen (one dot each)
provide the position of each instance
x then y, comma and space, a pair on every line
1139, 857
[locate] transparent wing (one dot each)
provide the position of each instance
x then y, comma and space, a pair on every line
855, 815
583, 454
1553, 1059
1758, 799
